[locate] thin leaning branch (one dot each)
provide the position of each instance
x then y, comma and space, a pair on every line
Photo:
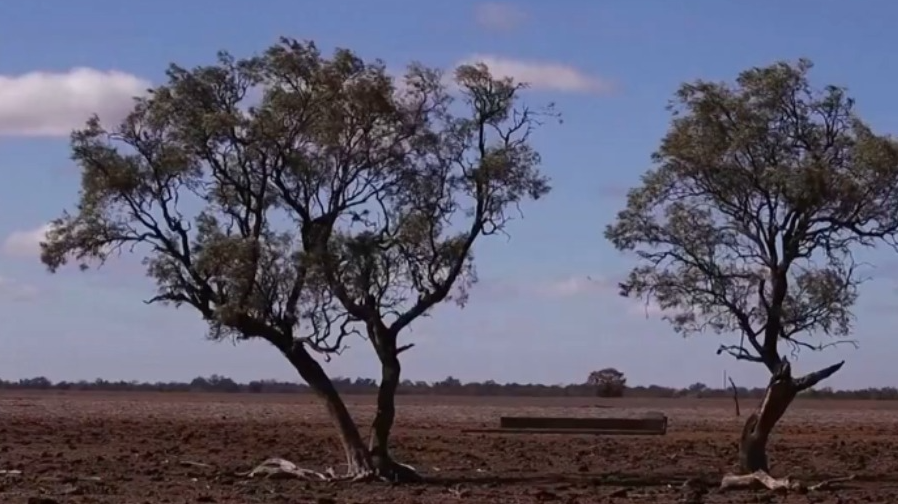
797, 344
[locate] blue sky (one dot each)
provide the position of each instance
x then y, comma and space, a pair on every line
609, 66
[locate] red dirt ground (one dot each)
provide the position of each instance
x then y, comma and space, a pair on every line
132, 448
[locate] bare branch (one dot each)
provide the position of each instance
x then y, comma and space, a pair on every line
403, 348
739, 352
809, 380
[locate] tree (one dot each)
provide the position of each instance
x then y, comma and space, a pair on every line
609, 382
762, 192
697, 389
340, 203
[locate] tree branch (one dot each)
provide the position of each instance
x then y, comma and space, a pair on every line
809, 380
739, 352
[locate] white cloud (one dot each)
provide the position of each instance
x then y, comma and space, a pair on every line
16, 291
498, 16
647, 310
572, 286
543, 75
581, 286
53, 104
25, 243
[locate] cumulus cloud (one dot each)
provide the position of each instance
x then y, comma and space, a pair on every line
25, 243
543, 75
497, 16
13, 290
53, 104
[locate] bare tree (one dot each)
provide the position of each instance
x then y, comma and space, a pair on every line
339, 204
761, 192
608, 382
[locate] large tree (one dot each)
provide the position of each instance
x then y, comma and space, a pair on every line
762, 190
340, 201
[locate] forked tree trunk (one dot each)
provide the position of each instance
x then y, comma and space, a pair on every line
358, 459
780, 393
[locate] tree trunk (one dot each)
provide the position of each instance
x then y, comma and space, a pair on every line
386, 408
379, 444
758, 426
780, 393
358, 459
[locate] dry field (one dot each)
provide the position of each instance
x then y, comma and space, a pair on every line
186, 448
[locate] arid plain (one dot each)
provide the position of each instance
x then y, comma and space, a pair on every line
88, 447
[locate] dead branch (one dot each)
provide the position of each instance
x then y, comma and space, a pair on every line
809, 380
831, 483
735, 395
760, 479
280, 468
192, 463
276, 467
458, 492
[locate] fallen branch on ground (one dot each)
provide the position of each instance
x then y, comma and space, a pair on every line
280, 468
191, 463
761, 479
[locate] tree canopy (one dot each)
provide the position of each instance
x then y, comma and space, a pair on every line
339, 195
762, 191
608, 382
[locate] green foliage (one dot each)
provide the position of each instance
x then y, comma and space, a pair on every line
290, 195
608, 382
760, 192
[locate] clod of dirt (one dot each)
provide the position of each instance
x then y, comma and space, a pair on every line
42, 500
545, 495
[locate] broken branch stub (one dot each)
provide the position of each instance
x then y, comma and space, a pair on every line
809, 380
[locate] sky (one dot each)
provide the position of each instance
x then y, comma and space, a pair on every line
546, 309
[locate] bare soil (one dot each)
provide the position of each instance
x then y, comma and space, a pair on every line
151, 448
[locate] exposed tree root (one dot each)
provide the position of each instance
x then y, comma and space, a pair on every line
760, 479
395, 472
391, 471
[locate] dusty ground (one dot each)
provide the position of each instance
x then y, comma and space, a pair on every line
118, 448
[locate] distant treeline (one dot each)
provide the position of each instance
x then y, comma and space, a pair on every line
448, 387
